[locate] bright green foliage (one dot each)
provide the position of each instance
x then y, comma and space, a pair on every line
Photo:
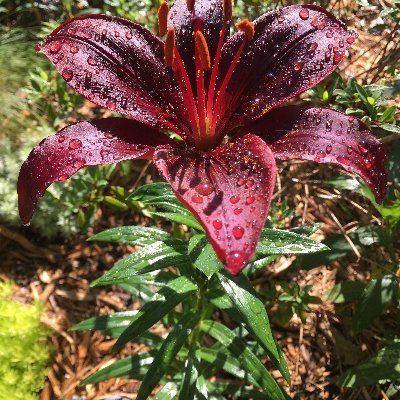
24, 348
185, 298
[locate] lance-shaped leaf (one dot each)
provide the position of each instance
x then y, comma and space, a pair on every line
228, 189
247, 358
119, 65
293, 49
102, 141
160, 304
166, 354
325, 136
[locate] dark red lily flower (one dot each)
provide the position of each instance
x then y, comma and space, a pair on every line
201, 84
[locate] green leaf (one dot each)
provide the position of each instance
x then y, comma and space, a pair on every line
390, 128
377, 295
133, 367
385, 365
115, 203
276, 241
203, 255
168, 392
306, 230
166, 354
148, 259
188, 220
133, 235
190, 376
345, 292
160, 304
253, 314
247, 358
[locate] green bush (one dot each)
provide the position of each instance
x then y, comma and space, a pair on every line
24, 349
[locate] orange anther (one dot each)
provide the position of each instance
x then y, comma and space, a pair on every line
228, 9
163, 18
190, 4
169, 47
202, 49
247, 28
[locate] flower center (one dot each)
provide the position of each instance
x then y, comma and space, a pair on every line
206, 109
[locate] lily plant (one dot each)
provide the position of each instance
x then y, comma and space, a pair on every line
222, 96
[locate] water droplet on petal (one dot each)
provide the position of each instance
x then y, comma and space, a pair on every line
104, 152
79, 163
128, 35
51, 158
235, 261
349, 149
74, 49
350, 40
337, 57
343, 160
328, 149
362, 149
217, 224
318, 22
197, 199
234, 199
250, 199
110, 104
312, 47
61, 138
55, 47
63, 177
241, 181
281, 19
298, 66
204, 188
91, 61
67, 74
238, 210
237, 232
249, 183
75, 144
304, 14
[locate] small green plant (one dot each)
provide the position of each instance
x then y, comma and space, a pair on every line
24, 348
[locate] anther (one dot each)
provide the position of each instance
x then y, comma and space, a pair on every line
202, 49
163, 18
228, 10
169, 47
247, 28
190, 4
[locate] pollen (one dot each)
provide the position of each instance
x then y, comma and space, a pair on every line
247, 28
190, 4
169, 47
202, 49
163, 18
228, 10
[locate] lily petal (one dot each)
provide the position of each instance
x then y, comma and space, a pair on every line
228, 189
293, 49
102, 141
119, 65
325, 136
208, 17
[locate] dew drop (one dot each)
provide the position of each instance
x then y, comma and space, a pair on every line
62, 177
79, 163
217, 224
250, 199
91, 61
75, 144
67, 74
329, 34
104, 153
337, 57
61, 138
362, 149
312, 47
235, 261
349, 150
238, 210
234, 199
237, 232
298, 66
110, 104
197, 199
51, 158
241, 181
128, 35
55, 47
304, 14
350, 40
281, 19
343, 160
249, 183
318, 23
204, 188
328, 149
73, 49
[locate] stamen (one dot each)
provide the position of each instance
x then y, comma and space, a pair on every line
163, 18
247, 28
228, 9
190, 4
169, 47
202, 48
